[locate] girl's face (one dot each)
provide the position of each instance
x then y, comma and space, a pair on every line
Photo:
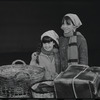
67, 26
48, 46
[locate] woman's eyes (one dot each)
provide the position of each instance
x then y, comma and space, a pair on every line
68, 23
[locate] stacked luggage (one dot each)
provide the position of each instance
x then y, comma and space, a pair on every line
26, 81
78, 81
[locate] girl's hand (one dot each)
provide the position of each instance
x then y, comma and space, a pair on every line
34, 56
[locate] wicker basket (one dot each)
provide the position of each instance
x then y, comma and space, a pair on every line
16, 79
46, 90
14, 89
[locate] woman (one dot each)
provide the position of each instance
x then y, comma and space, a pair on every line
72, 45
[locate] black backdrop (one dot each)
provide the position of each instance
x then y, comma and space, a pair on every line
23, 22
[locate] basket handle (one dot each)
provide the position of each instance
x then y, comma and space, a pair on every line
22, 73
14, 62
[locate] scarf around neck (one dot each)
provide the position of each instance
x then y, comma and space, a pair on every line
47, 52
72, 52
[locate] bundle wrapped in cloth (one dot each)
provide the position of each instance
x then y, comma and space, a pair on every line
43, 89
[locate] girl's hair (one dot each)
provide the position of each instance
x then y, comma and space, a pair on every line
46, 39
67, 19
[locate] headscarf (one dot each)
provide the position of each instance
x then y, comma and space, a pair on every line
77, 22
52, 34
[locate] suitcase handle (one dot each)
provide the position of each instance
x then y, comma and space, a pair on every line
16, 61
85, 66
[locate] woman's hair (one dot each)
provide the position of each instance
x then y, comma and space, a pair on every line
67, 19
46, 39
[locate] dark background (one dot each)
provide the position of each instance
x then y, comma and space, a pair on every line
23, 22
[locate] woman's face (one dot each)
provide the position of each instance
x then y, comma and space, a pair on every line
48, 46
67, 26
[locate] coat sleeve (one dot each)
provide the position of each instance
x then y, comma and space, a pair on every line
58, 62
83, 50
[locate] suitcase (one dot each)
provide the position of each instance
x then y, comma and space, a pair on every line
77, 81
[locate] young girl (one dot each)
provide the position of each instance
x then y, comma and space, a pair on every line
48, 57
72, 45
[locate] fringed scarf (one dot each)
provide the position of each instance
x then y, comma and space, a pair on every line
72, 52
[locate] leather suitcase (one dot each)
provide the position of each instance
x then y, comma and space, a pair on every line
77, 81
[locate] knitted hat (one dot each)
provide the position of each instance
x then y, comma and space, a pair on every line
52, 34
77, 22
